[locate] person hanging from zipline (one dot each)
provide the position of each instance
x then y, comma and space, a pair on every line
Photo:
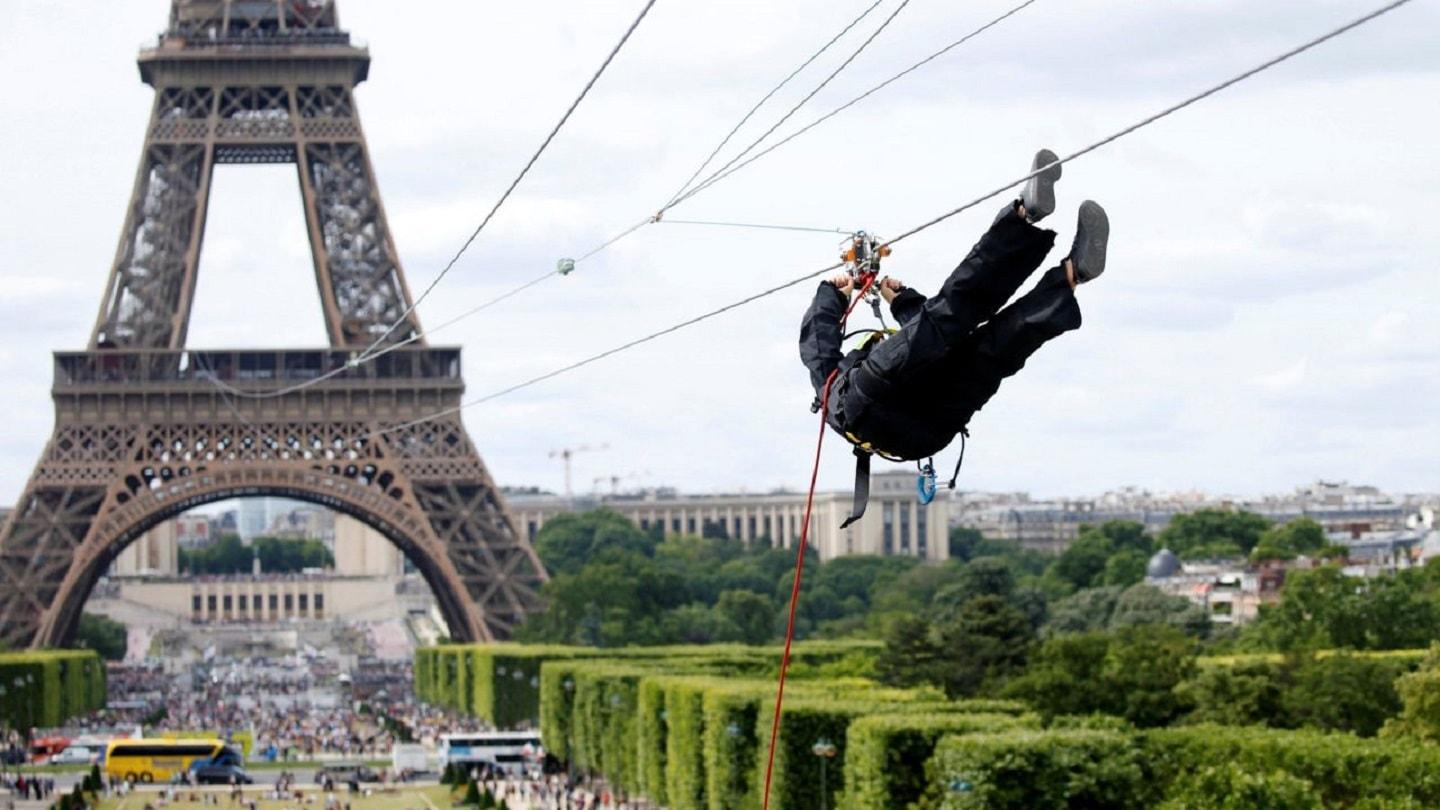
907, 395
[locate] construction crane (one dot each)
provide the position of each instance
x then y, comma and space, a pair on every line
567, 453
615, 480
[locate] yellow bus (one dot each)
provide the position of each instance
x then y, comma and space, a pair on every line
160, 760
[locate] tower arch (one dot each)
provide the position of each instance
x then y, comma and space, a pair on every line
143, 424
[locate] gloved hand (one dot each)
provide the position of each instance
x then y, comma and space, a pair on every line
890, 287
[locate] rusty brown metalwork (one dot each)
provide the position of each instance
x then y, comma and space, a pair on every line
145, 429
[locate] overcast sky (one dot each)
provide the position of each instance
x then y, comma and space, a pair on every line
1268, 316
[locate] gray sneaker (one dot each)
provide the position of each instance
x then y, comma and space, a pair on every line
1038, 195
1092, 235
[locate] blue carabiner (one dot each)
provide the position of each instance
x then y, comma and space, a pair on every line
925, 483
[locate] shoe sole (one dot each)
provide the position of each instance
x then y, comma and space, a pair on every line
1095, 224
1042, 186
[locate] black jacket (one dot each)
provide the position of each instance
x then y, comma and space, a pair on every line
901, 422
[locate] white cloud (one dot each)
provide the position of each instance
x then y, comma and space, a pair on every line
1286, 378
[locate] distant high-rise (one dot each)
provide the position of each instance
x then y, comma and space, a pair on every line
254, 518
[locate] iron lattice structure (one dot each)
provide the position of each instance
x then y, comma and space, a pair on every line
144, 429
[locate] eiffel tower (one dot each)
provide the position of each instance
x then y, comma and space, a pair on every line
146, 428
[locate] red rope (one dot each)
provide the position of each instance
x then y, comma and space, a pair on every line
795, 588
866, 282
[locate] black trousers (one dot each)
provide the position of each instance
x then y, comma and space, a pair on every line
951, 359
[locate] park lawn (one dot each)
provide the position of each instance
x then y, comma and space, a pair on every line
433, 797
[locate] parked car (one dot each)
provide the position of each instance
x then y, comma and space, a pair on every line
343, 772
409, 758
221, 775
75, 755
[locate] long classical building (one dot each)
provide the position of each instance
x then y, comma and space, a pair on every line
1051, 525
896, 523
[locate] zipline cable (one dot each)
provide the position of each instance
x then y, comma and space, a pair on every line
726, 171
806, 100
777, 88
373, 350
521, 176
799, 565
754, 225
729, 169
1174, 108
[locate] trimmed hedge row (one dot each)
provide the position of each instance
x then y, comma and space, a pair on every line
1341, 768
45, 688
696, 741
1099, 768
1071, 768
688, 726
885, 755
692, 740
500, 682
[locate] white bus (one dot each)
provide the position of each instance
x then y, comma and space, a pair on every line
514, 751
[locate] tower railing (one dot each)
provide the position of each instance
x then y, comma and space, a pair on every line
251, 370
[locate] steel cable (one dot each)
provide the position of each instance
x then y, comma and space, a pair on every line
372, 351
1144, 122
733, 167
521, 176
777, 88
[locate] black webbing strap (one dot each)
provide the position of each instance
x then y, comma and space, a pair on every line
964, 434
862, 487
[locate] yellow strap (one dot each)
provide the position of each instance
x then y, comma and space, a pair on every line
870, 448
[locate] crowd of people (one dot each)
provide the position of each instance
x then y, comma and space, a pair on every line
303, 706
28, 786
560, 792
294, 707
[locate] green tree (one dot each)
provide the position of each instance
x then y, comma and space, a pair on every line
1213, 532
1143, 668
912, 592
281, 555
963, 542
103, 635
983, 646
623, 598
1125, 567
912, 653
696, 623
1287, 541
1343, 693
1084, 611
1082, 563
1241, 695
1323, 608
569, 541
1127, 535
227, 555
1065, 675
1146, 604
984, 576
1132, 673
1419, 693
752, 616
